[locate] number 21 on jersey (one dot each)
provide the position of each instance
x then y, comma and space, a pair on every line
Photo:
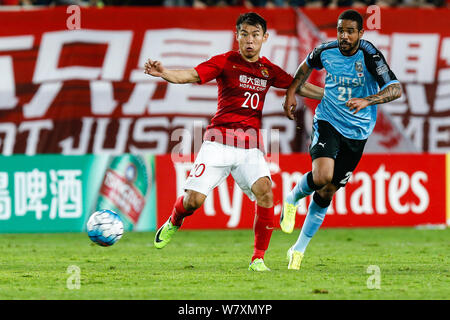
345, 93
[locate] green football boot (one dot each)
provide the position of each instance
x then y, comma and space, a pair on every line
258, 265
287, 217
295, 259
165, 234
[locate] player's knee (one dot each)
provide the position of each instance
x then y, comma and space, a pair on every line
193, 200
263, 192
322, 178
328, 192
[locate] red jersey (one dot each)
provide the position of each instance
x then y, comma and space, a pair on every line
242, 88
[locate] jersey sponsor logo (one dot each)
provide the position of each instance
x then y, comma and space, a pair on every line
252, 83
345, 81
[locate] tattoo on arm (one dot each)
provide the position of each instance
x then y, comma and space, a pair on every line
391, 92
301, 75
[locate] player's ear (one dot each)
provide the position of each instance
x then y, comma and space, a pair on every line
361, 32
265, 36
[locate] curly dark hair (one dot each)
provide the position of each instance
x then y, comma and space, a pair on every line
352, 15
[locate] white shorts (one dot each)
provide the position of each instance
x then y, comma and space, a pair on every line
215, 161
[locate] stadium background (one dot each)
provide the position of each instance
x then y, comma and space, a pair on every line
83, 128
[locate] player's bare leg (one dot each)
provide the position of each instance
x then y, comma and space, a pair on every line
322, 171
184, 206
264, 222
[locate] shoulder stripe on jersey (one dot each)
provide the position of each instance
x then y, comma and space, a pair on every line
328, 45
313, 59
367, 46
376, 64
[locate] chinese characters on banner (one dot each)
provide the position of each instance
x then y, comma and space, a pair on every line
56, 193
83, 91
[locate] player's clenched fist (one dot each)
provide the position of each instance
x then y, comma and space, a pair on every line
153, 68
289, 105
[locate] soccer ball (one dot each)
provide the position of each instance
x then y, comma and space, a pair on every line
105, 227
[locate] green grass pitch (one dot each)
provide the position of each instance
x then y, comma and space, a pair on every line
212, 265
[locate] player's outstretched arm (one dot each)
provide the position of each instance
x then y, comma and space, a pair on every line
290, 103
156, 69
391, 92
311, 91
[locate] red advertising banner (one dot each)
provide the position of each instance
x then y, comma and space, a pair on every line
76, 91
394, 190
84, 90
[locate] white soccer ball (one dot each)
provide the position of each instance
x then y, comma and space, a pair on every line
105, 227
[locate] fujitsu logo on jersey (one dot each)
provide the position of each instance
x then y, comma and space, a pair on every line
251, 83
346, 81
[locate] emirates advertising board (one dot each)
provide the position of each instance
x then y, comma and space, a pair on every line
384, 190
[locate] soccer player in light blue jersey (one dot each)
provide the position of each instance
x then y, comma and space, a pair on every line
357, 80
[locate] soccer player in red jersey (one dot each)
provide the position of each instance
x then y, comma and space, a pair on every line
232, 141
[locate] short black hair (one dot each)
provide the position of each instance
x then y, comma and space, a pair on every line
252, 19
352, 15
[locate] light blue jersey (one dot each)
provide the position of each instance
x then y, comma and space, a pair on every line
357, 76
